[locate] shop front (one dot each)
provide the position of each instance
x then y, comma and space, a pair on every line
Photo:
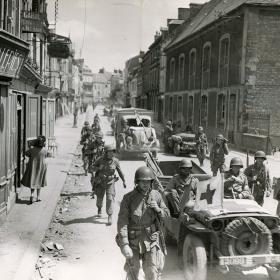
13, 53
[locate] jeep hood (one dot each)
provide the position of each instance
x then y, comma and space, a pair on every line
236, 206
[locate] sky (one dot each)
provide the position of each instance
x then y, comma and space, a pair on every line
106, 33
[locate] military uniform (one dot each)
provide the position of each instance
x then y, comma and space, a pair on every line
96, 128
104, 181
138, 227
217, 157
168, 131
236, 186
258, 181
178, 187
201, 146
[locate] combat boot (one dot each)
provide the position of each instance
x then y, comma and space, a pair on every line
110, 220
99, 211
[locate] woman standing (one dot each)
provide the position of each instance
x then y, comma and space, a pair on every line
35, 173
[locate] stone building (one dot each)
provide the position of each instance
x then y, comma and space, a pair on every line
223, 69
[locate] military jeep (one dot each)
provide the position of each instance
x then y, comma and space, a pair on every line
182, 142
237, 236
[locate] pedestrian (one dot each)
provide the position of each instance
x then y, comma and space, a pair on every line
235, 182
139, 228
35, 174
218, 153
201, 145
182, 184
258, 177
105, 178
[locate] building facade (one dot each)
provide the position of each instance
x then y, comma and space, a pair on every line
222, 71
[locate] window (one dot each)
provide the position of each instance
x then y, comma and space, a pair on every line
221, 111
204, 110
192, 68
181, 72
190, 111
224, 60
172, 74
170, 108
206, 65
180, 116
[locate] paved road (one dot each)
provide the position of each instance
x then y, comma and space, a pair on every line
90, 249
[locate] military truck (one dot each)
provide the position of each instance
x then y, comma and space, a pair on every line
234, 236
137, 121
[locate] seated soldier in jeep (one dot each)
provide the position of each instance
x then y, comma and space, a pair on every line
126, 136
181, 188
236, 183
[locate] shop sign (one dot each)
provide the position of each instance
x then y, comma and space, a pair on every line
10, 62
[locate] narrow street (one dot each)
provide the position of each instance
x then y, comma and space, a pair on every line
89, 248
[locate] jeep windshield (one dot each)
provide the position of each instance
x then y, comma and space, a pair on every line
135, 122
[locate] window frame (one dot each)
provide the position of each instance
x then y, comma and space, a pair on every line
224, 66
192, 72
181, 75
208, 44
172, 66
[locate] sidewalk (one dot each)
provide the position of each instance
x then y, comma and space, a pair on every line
22, 232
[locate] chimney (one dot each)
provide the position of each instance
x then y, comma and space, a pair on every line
183, 13
194, 9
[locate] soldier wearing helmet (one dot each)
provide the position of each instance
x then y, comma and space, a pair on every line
125, 136
236, 183
201, 145
96, 125
139, 227
217, 154
258, 177
105, 178
182, 185
85, 128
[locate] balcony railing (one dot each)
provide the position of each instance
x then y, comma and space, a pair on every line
33, 22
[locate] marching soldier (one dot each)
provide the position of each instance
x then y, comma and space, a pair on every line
217, 154
139, 230
236, 183
182, 184
201, 145
105, 178
96, 126
88, 151
168, 131
85, 128
258, 177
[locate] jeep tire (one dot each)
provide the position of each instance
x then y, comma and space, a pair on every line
194, 258
246, 236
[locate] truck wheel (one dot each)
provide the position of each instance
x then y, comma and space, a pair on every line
194, 258
176, 149
246, 236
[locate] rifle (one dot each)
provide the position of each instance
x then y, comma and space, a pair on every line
131, 271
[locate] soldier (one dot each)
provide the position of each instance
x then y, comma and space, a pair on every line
236, 183
85, 128
217, 154
126, 135
96, 126
258, 177
88, 151
139, 230
201, 145
182, 184
105, 178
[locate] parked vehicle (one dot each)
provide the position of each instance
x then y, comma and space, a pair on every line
131, 129
238, 235
182, 142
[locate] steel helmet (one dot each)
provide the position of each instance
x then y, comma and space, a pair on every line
144, 173
110, 147
260, 154
185, 163
99, 134
200, 128
220, 136
236, 161
86, 123
168, 123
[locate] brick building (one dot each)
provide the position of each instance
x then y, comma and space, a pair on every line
223, 70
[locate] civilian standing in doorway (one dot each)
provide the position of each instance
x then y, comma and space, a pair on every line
36, 170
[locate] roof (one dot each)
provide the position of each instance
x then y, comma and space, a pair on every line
212, 11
